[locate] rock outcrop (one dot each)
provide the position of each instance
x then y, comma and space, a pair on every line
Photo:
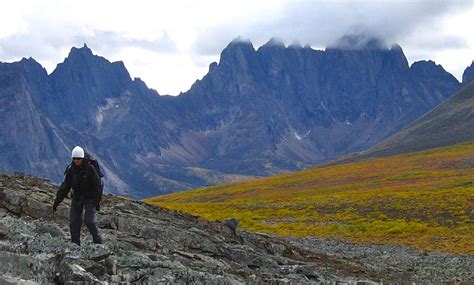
148, 244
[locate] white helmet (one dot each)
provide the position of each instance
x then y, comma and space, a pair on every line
77, 152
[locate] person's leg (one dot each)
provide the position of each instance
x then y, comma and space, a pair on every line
90, 221
75, 221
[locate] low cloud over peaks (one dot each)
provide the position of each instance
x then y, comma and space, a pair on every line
359, 41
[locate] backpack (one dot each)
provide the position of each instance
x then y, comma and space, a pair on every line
92, 161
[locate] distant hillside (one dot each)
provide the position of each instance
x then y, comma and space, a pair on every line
423, 199
450, 123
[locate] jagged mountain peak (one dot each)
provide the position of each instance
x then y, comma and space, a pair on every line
468, 74
423, 65
30, 64
83, 51
240, 40
396, 47
78, 56
274, 42
238, 52
85, 54
84, 60
212, 66
295, 45
426, 62
239, 43
28, 60
87, 81
141, 85
428, 66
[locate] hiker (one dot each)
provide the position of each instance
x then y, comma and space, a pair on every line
87, 194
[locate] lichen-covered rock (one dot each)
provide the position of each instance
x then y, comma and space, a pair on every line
71, 273
4, 233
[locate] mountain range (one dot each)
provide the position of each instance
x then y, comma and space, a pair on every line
257, 112
415, 188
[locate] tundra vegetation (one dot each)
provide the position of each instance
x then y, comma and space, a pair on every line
424, 200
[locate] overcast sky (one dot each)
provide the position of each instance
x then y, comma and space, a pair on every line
170, 44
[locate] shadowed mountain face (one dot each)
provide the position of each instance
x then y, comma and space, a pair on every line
256, 112
29, 139
450, 123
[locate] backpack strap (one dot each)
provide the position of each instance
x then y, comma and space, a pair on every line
98, 169
67, 169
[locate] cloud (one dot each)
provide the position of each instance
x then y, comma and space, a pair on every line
47, 43
441, 42
111, 42
322, 23
171, 44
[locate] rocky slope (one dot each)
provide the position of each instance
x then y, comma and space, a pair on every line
257, 112
147, 244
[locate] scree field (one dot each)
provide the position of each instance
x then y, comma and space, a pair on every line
424, 200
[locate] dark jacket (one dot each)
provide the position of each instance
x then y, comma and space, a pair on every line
84, 181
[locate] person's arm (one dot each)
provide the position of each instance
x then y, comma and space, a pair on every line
63, 189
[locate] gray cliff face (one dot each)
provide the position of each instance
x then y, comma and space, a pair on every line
449, 123
29, 139
256, 113
151, 245
84, 82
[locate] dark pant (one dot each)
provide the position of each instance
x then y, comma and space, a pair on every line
75, 219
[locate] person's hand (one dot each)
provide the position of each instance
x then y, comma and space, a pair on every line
97, 205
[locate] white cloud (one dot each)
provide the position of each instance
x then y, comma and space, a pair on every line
171, 44
447, 41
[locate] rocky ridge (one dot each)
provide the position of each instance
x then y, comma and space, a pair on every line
148, 244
